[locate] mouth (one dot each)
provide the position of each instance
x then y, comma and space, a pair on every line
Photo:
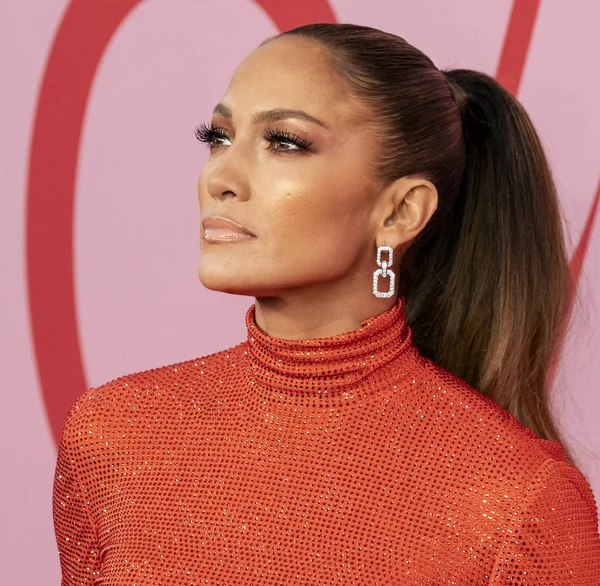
222, 229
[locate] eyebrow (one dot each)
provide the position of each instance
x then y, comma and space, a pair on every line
274, 115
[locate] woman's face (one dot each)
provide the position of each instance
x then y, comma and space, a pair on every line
290, 161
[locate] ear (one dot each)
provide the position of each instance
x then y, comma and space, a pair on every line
403, 210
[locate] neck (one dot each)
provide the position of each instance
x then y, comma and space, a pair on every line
324, 370
308, 314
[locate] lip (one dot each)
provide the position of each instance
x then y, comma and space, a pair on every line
223, 229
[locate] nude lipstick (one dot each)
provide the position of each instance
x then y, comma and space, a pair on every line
222, 229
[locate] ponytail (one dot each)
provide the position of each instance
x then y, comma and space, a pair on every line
486, 283
488, 296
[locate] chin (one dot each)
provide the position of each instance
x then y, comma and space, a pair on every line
234, 284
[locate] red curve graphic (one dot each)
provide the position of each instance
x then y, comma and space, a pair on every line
85, 31
516, 44
510, 72
584, 240
292, 13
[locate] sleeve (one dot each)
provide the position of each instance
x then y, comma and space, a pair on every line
555, 536
73, 524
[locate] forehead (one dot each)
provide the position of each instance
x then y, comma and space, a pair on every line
295, 73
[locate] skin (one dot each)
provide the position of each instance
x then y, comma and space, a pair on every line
317, 214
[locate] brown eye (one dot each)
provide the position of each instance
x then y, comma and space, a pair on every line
213, 136
286, 141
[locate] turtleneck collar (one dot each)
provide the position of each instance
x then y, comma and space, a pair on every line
330, 367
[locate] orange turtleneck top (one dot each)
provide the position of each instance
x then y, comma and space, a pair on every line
343, 460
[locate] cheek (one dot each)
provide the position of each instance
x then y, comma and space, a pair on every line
316, 215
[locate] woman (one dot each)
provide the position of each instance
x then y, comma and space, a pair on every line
386, 421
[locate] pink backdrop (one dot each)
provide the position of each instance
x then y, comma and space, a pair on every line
122, 295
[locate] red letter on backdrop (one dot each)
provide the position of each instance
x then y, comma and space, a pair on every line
82, 38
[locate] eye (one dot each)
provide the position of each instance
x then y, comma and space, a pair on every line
213, 136
286, 141
281, 141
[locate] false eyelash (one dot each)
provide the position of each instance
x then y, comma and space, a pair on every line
206, 134
275, 136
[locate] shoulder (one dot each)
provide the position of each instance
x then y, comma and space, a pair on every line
485, 429
153, 394
553, 534
501, 457
559, 481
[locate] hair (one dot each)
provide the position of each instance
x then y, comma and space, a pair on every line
486, 283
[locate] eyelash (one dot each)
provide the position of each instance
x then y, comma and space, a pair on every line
208, 134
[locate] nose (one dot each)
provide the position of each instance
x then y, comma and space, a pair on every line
227, 178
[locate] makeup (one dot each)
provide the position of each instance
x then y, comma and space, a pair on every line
222, 229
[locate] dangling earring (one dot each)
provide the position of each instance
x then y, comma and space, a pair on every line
384, 271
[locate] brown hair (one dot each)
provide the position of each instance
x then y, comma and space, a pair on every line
486, 283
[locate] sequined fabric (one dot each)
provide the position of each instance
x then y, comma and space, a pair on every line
343, 460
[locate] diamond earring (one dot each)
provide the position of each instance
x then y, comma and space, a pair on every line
384, 271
